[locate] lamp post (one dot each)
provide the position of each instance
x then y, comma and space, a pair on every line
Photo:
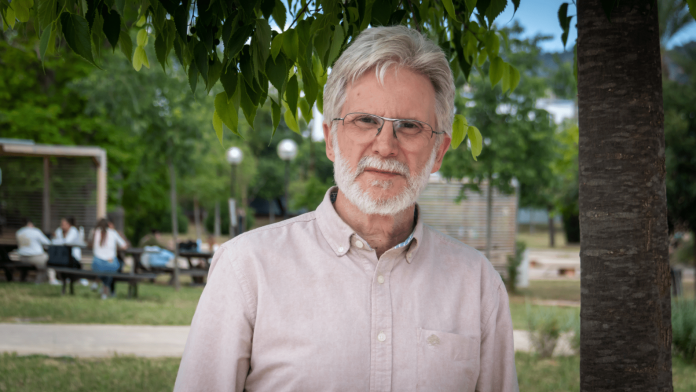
234, 157
287, 151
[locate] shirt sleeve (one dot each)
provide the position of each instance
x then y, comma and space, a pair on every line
498, 373
119, 240
218, 348
72, 237
42, 238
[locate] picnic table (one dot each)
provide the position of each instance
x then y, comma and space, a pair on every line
74, 274
197, 272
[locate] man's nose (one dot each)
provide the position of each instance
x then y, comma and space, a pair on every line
386, 144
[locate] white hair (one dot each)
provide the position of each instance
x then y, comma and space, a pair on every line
379, 48
360, 198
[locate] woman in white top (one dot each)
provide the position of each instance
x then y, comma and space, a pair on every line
67, 233
104, 248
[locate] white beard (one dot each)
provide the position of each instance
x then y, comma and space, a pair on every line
382, 206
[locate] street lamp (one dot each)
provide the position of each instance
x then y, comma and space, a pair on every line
234, 157
287, 151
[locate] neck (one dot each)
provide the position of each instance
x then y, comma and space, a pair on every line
380, 231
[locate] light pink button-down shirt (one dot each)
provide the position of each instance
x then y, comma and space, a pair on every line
305, 305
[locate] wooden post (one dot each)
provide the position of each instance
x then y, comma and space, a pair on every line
101, 186
46, 218
175, 223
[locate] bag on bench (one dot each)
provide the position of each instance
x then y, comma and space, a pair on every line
60, 256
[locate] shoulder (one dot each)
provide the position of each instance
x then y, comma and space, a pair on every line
461, 254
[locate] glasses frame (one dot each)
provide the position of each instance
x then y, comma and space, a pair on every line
385, 119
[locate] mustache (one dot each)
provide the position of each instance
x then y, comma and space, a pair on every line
389, 165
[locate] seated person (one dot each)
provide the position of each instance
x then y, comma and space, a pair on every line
156, 253
31, 241
67, 233
104, 246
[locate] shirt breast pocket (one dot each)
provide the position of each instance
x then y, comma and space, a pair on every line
447, 361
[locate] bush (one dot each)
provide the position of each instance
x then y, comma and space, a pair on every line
545, 328
684, 328
513, 262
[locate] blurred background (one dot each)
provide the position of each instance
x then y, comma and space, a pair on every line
78, 144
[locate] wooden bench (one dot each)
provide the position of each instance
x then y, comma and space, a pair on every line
23, 268
75, 274
197, 273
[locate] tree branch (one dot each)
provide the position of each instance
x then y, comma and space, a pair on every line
299, 14
414, 16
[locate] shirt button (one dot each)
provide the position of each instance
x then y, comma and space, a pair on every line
380, 279
381, 337
359, 244
340, 249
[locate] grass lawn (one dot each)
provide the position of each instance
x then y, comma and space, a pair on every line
127, 373
157, 304
567, 290
540, 239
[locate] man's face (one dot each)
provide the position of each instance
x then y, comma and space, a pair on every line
385, 175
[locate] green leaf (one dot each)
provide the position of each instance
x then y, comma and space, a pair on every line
291, 44
46, 12
226, 111
290, 120
229, 79
506, 78
142, 37
76, 32
292, 94
217, 125
193, 77
126, 45
276, 45
200, 55
336, 44
275, 114
608, 6
495, 73
514, 78
309, 84
236, 42
470, 6
483, 55
10, 16
140, 58
277, 72
213, 73
112, 26
43, 45
476, 141
180, 20
495, 8
279, 13
458, 130
450, 9
248, 106
492, 44
91, 13
305, 109
161, 49
322, 43
21, 10
263, 35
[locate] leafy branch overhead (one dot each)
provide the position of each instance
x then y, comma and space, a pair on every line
263, 49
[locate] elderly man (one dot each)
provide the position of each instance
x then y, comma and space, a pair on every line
360, 295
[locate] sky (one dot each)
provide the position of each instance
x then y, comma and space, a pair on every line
541, 17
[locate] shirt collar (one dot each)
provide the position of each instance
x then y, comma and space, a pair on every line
338, 234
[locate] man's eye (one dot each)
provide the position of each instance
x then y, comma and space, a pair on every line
366, 120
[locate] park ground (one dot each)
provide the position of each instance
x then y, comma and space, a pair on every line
159, 304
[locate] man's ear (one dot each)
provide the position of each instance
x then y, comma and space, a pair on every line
329, 143
441, 153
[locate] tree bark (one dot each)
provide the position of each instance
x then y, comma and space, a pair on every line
552, 230
175, 222
625, 316
216, 221
197, 219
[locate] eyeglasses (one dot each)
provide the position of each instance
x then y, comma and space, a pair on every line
364, 127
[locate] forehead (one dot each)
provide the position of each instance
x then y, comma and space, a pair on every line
401, 94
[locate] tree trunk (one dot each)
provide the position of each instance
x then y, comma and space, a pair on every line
197, 219
625, 316
175, 223
552, 230
489, 216
216, 221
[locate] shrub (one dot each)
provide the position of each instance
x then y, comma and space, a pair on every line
684, 328
546, 325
